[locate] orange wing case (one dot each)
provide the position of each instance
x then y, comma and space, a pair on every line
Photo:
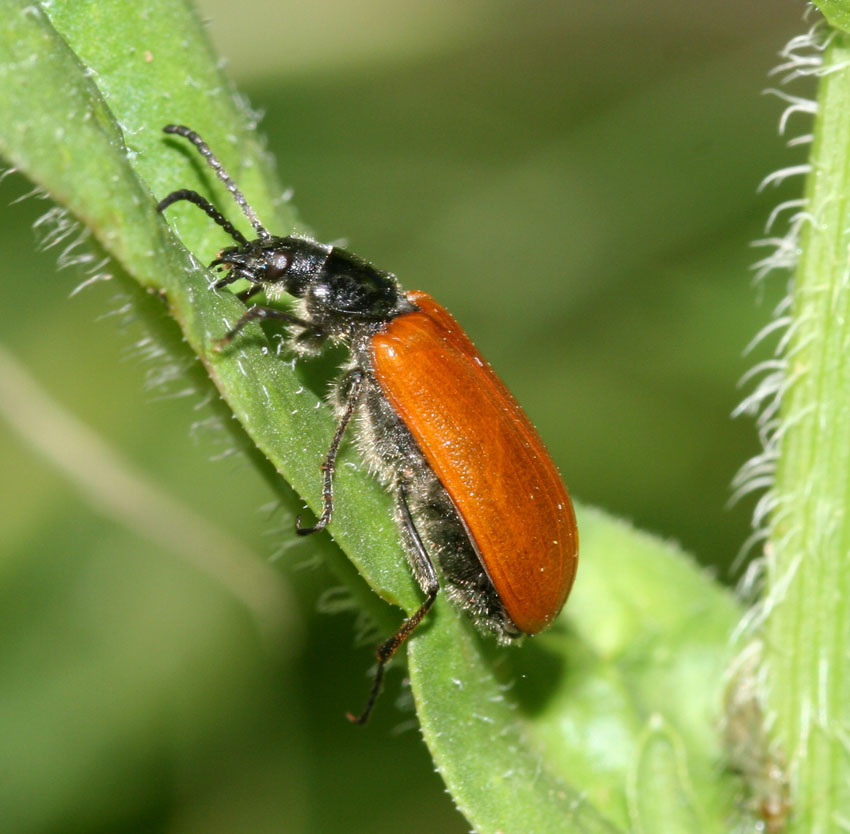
487, 455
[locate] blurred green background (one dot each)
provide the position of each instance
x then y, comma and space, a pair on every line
577, 183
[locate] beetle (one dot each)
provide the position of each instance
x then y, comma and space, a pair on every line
479, 503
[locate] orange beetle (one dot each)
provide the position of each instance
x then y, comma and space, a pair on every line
480, 505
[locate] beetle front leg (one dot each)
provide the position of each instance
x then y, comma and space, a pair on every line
258, 313
247, 295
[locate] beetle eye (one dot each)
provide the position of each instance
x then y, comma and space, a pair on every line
277, 264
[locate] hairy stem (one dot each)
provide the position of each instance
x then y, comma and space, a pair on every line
808, 571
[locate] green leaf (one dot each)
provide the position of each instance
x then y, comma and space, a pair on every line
525, 737
533, 739
837, 12
660, 793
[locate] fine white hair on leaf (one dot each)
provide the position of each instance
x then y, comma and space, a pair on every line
96, 272
53, 227
57, 228
340, 599
74, 254
36, 191
336, 600
166, 375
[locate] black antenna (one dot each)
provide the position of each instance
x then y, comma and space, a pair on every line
203, 203
213, 162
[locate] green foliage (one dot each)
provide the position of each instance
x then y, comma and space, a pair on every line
607, 722
837, 12
643, 648
111, 185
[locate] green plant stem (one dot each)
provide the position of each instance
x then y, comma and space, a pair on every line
807, 607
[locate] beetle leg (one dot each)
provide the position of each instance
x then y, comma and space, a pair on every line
355, 378
257, 313
427, 576
248, 294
